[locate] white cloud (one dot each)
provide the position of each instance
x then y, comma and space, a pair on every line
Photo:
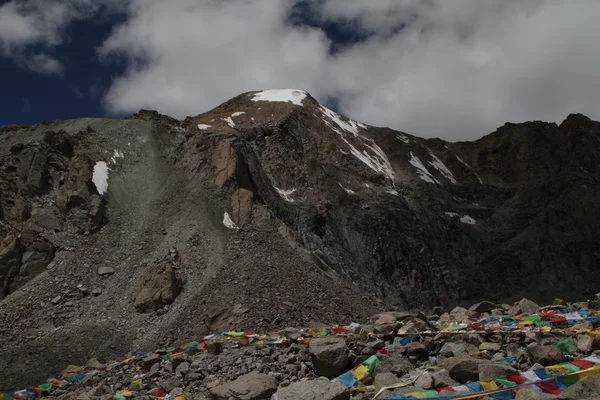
43, 63
26, 24
457, 69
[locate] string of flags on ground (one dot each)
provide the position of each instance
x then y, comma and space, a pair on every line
545, 322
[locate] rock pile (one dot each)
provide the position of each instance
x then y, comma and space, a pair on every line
398, 354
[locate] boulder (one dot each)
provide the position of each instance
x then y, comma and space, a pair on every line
545, 355
424, 382
587, 388
489, 346
493, 370
524, 306
417, 349
103, 271
252, 386
155, 288
443, 379
530, 394
317, 389
385, 324
329, 356
584, 344
464, 369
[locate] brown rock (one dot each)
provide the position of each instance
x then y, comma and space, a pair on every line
155, 288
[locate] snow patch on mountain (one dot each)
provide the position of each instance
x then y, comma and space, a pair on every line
100, 177
281, 95
440, 166
229, 121
203, 127
285, 194
422, 171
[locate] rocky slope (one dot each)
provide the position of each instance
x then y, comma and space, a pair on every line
270, 211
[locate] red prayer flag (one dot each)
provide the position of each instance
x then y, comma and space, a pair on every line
582, 364
338, 330
516, 378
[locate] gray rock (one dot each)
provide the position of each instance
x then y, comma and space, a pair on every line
329, 356
464, 369
152, 359
489, 346
252, 386
443, 379
103, 271
424, 382
493, 370
545, 355
584, 343
169, 384
214, 348
525, 306
417, 349
587, 388
317, 389
530, 394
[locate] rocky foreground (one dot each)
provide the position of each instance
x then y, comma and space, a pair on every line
489, 351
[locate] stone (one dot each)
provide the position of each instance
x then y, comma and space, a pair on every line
383, 379
464, 369
252, 386
385, 324
316, 389
417, 349
329, 356
194, 376
484, 306
424, 382
489, 346
214, 348
587, 388
530, 394
401, 368
104, 271
92, 363
56, 300
524, 306
443, 379
584, 344
182, 369
96, 292
545, 355
169, 384
155, 288
493, 370
152, 359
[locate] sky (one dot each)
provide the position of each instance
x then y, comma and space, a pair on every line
434, 68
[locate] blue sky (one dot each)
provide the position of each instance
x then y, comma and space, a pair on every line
455, 70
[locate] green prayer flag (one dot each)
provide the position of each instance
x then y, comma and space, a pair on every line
372, 363
502, 380
565, 345
430, 394
570, 367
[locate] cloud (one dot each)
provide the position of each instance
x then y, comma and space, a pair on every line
199, 53
28, 26
456, 69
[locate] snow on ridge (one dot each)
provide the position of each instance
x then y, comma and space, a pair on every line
465, 219
422, 171
281, 95
402, 138
285, 194
346, 189
377, 161
238, 113
203, 127
440, 166
348, 127
229, 121
468, 166
100, 177
228, 222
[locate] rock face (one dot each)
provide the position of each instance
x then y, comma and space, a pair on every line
329, 356
314, 194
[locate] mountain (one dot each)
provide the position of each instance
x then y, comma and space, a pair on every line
271, 211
